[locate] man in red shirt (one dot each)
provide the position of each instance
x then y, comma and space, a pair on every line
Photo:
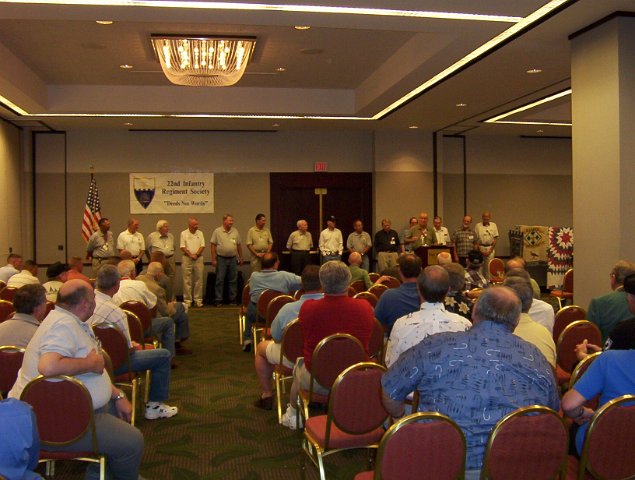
335, 313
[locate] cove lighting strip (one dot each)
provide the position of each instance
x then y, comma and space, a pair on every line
487, 47
380, 12
542, 101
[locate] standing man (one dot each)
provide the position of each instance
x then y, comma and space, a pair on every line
421, 234
300, 243
464, 239
486, 238
13, 266
65, 345
163, 241
331, 241
192, 264
406, 233
387, 246
227, 254
101, 246
359, 241
132, 241
259, 242
442, 236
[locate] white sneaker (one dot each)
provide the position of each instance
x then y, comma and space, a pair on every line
288, 419
156, 410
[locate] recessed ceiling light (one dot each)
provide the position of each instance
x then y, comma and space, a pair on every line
104, 22
461, 105
413, 127
539, 131
125, 66
128, 124
302, 27
281, 69
275, 125
534, 70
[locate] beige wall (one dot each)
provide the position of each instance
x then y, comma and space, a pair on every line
12, 195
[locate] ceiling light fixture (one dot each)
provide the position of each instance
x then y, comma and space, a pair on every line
207, 61
413, 127
499, 118
461, 105
125, 66
281, 69
534, 70
104, 22
302, 27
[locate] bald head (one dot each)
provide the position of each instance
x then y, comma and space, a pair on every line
444, 258
77, 296
515, 263
355, 259
498, 305
433, 284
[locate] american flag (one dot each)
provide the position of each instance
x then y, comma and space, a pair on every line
92, 210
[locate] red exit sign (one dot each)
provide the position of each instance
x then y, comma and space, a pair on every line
321, 166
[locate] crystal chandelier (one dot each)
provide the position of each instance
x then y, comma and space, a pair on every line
203, 61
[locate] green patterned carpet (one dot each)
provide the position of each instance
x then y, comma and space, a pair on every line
218, 433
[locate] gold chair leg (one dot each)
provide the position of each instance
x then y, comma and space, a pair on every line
146, 395
102, 468
241, 327
134, 402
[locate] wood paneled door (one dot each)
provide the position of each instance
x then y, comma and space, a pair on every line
313, 197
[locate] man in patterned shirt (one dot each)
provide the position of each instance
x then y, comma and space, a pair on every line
464, 239
476, 377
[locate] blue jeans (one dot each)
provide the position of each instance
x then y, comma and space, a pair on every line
226, 266
163, 329
250, 318
158, 362
182, 322
366, 263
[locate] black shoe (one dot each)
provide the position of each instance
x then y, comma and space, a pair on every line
264, 403
247, 346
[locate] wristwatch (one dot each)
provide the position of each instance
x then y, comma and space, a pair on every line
119, 396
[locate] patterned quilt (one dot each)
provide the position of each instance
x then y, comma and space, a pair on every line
560, 254
535, 242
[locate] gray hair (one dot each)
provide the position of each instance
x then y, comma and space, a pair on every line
457, 276
433, 283
335, 277
107, 277
297, 224
154, 268
161, 223
126, 267
523, 289
622, 269
499, 305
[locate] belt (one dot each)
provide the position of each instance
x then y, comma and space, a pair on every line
222, 256
299, 251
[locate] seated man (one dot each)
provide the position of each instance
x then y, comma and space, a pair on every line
18, 457
156, 360
609, 310
540, 311
65, 345
431, 318
268, 351
131, 289
397, 302
518, 263
30, 309
473, 276
267, 278
475, 377
76, 267
455, 301
57, 274
610, 376
177, 311
444, 258
13, 266
335, 313
28, 276
527, 328
358, 273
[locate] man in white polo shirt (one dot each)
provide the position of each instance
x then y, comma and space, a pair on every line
192, 264
132, 241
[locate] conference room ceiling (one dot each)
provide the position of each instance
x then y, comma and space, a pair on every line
61, 70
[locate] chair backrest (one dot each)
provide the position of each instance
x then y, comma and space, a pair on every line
358, 286
7, 293
246, 296
2, 284
574, 334
332, 356
369, 297
582, 367
140, 310
135, 328
378, 290
292, 343
50, 306
10, 363
608, 445
427, 440
376, 342
6, 310
391, 282
114, 342
263, 301
299, 293
274, 307
374, 276
567, 282
355, 404
496, 267
564, 317
63, 408
531, 443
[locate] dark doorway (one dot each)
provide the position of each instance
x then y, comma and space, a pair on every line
296, 196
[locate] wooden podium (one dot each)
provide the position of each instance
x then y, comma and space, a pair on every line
428, 255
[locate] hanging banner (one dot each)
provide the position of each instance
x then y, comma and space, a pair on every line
171, 193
